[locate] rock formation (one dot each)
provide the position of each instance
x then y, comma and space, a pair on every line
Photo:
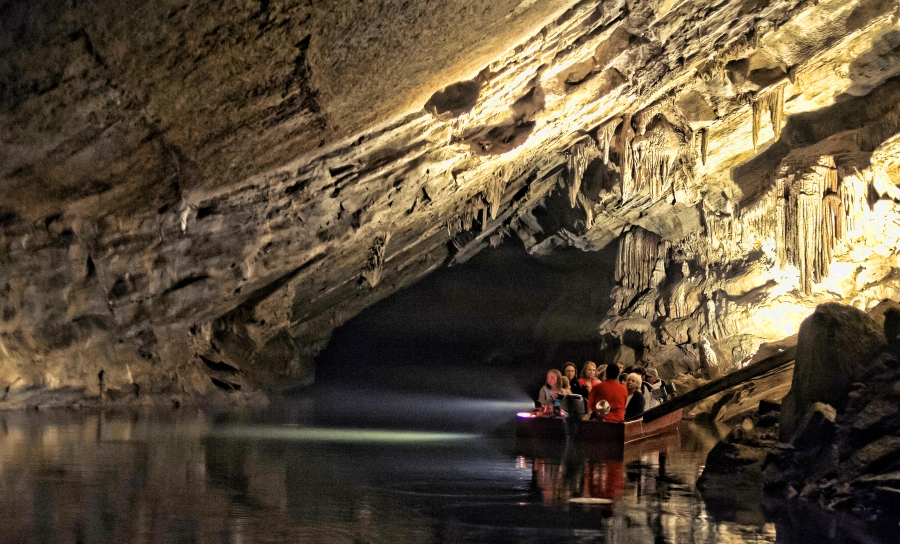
835, 442
196, 195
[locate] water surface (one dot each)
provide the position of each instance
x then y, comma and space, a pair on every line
305, 472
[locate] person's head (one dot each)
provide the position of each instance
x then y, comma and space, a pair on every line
633, 382
589, 370
601, 372
565, 384
569, 371
621, 366
652, 375
554, 378
612, 372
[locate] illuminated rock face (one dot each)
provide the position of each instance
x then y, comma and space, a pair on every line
196, 195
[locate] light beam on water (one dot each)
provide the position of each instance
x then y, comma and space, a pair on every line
322, 434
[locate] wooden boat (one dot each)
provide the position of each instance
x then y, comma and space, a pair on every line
532, 426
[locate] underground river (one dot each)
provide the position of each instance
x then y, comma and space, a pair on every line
417, 469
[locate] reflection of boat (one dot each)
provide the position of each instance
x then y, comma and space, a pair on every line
533, 426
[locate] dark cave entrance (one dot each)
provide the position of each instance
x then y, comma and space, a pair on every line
490, 327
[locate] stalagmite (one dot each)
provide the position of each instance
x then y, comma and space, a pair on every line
639, 251
709, 361
579, 157
771, 101
588, 211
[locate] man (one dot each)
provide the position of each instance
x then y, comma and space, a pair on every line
612, 392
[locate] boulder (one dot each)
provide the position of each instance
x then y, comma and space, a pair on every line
835, 345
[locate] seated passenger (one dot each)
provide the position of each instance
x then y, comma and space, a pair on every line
569, 371
565, 387
612, 392
634, 405
551, 390
587, 380
653, 389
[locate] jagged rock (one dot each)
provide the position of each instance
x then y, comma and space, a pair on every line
835, 346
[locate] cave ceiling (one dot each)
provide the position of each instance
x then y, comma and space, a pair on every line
195, 189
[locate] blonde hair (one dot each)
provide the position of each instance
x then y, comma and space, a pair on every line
584, 368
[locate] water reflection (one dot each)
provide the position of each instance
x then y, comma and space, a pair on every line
185, 477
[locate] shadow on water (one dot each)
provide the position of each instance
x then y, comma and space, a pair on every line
183, 476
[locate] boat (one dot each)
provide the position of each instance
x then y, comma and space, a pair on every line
536, 426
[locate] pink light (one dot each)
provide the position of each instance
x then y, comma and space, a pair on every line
526, 414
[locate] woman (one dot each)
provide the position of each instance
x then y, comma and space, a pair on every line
587, 380
634, 406
569, 371
551, 390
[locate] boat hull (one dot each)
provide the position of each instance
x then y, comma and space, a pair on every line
593, 431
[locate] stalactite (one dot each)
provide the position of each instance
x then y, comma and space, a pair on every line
579, 157
720, 242
812, 219
605, 136
653, 156
833, 227
853, 191
639, 251
626, 159
375, 261
771, 101
704, 142
760, 221
493, 193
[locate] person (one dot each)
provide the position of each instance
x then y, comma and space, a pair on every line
634, 405
550, 391
587, 380
565, 387
569, 371
621, 374
612, 392
653, 389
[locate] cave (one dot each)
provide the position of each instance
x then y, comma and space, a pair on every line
234, 206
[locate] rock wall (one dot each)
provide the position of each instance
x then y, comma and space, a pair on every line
195, 196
